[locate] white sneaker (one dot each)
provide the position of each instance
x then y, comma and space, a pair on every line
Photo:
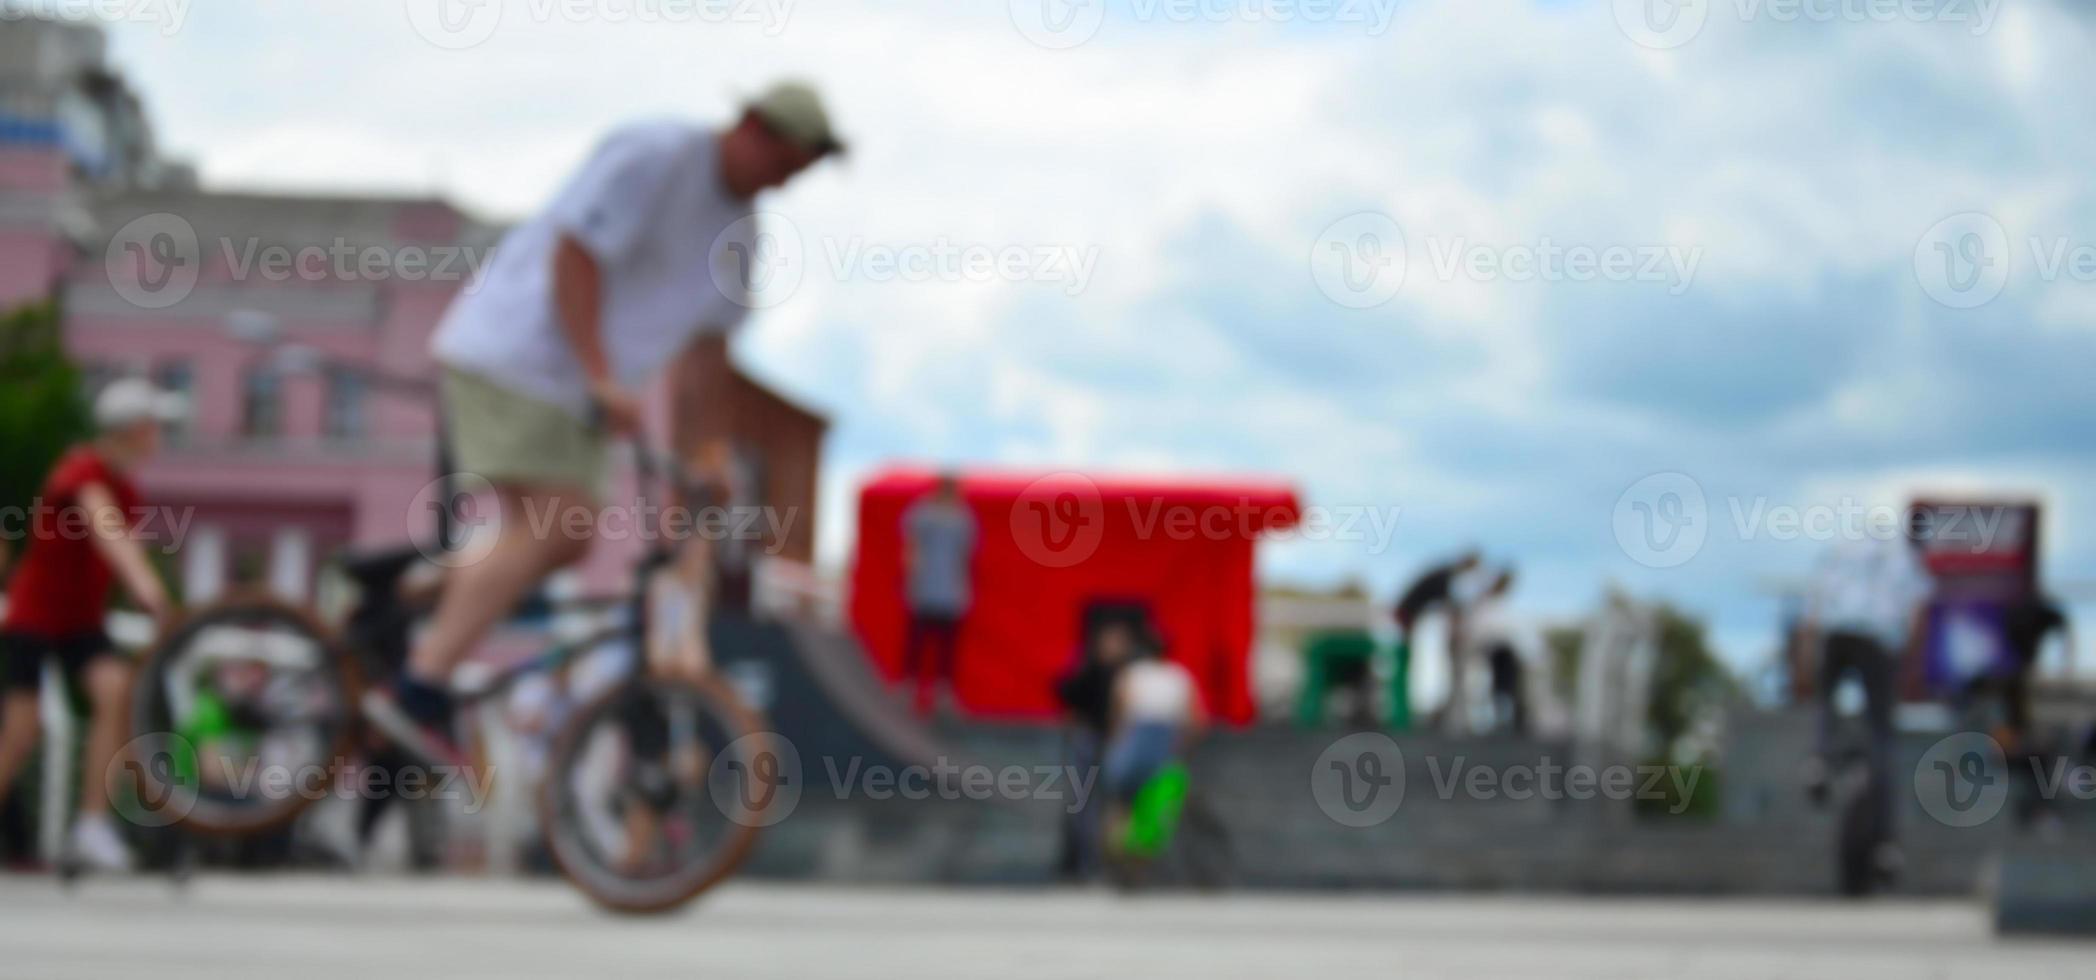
1889, 861
97, 845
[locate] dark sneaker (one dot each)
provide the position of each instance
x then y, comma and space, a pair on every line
1815, 777
433, 744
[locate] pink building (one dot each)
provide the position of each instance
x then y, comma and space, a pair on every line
285, 458
281, 462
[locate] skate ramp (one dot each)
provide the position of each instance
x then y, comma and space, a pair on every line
822, 694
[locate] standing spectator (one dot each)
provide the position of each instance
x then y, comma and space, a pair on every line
1087, 696
938, 552
1435, 589
2027, 621
1865, 607
83, 540
1494, 635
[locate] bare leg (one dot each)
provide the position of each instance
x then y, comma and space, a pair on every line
20, 727
109, 691
915, 670
685, 654
478, 595
643, 829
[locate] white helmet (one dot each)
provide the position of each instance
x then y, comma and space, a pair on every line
127, 401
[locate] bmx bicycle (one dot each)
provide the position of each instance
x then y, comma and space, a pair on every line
1172, 835
1857, 784
248, 710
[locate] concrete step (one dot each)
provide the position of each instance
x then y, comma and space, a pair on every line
1765, 837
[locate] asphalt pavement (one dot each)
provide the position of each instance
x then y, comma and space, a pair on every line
319, 928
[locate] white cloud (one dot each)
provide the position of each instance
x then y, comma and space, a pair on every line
1792, 155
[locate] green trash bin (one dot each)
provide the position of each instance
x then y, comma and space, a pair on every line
1329, 656
1397, 707
1326, 657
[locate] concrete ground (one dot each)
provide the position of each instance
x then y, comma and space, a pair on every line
317, 928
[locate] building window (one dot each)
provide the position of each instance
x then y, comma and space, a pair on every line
178, 378
346, 393
95, 376
250, 564
262, 403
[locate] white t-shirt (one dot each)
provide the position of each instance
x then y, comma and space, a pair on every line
1871, 586
1491, 621
1157, 690
649, 207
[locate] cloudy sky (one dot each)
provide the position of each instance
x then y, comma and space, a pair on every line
1583, 282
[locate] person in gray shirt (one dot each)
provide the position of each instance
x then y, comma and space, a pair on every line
938, 552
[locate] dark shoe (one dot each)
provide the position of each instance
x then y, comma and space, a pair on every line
432, 744
1813, 773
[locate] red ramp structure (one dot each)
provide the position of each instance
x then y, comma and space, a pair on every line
1050, 546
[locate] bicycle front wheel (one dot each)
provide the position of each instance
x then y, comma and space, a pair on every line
656, 791
240, 717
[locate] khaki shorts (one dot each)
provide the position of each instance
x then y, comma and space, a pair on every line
506, 437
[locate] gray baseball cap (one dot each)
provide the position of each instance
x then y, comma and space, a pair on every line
793, 109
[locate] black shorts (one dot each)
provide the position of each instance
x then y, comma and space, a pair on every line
22, 656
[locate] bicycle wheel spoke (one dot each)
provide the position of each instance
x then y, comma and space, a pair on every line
632, 815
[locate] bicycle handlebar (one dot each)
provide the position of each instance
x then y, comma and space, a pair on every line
651, 468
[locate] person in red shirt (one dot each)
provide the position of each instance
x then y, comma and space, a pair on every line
82, 538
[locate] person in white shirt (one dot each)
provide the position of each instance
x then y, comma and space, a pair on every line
1865, 608
645, 256
1510, 647
1156, 713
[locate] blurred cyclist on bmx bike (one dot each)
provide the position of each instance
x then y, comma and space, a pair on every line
648, 254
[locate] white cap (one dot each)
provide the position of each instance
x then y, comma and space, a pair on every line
794, 110
126, 401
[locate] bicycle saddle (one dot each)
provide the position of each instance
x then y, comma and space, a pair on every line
378, 569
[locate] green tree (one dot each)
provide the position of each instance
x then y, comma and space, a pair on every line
1688, 682
42, 411
1690, 689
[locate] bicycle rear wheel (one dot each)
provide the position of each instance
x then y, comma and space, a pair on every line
656, 791
1206, 859
239, 715
1856, 849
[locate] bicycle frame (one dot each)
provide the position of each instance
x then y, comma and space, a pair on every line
658, 561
